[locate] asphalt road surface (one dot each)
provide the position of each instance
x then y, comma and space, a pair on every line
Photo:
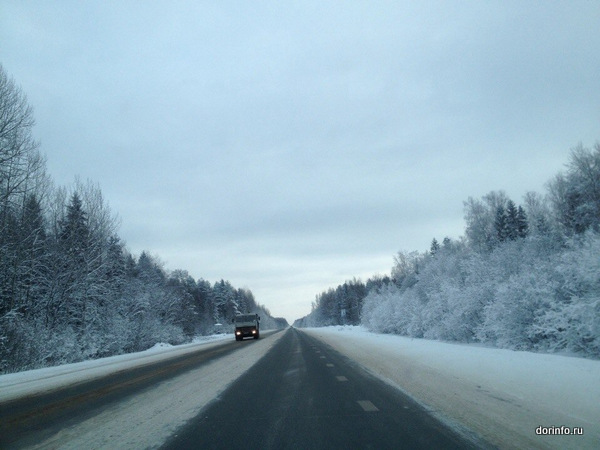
300, 395
304, 395
25, 422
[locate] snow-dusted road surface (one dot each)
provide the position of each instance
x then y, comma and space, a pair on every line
304, 395
502, 395
144, 420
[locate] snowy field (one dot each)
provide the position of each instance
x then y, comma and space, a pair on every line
502, 395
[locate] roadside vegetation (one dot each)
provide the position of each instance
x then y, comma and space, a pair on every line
69, 288
522, 277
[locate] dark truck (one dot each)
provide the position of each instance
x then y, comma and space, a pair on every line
246, 325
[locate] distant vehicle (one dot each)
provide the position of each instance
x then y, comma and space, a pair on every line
246, 325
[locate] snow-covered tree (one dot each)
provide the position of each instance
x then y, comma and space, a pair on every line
435, 246
69, 289
512, 221
524, 277
521, 223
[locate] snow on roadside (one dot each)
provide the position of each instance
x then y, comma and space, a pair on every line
147, 420
502, 395
31, 382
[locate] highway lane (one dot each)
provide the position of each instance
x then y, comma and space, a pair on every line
303, 394
32, 419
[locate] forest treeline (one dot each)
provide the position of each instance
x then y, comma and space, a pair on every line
522, 277
69, 288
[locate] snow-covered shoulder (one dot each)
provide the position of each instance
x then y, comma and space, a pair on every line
503, 395
31, 382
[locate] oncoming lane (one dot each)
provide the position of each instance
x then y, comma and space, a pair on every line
303, 394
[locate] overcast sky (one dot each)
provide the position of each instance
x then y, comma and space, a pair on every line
290, 146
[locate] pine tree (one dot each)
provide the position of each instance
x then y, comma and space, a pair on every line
75, 259
500, 224
522, 225
512, 222
435, 246
225, 306
149, 270
74, 234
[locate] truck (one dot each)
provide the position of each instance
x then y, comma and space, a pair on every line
246, 325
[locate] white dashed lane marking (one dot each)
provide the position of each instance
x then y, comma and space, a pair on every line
367, 406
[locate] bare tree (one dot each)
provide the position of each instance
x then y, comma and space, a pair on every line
20, 161
22, 170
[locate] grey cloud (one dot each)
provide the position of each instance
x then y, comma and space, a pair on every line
259, 142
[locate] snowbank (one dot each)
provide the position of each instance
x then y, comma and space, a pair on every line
30, 382
502, 395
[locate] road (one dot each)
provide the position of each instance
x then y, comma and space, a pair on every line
303, 395
25, 422
300, 394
